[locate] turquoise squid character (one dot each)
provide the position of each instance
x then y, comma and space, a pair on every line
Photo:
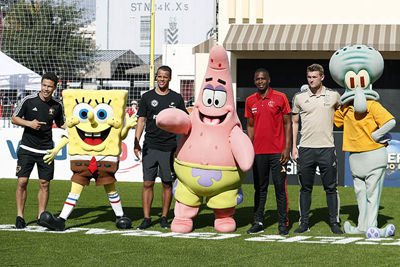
366, 125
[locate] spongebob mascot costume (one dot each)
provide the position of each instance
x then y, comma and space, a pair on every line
95, 121
366, 125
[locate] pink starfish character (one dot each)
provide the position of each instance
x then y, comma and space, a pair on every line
214, 153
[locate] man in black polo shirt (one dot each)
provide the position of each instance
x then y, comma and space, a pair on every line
159, 146
36, 114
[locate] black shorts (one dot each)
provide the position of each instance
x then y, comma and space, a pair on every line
26, 162
158, 163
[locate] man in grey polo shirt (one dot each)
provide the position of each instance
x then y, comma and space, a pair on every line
316, 107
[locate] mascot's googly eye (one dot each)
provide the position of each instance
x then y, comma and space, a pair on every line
81, 111
219, 99
363, 79
208, 97
350, 80
354, 80
103, 112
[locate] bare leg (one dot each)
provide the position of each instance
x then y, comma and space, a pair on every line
147, 197
166, 198
20, 195
43, 195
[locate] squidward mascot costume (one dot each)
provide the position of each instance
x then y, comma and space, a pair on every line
365, 132
213, 154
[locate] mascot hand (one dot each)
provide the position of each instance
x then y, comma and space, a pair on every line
384, 139
51, 154
130, 121
382, 135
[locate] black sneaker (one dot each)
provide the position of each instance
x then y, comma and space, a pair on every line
303, 227
38, 222
51, 222
164, 223
145, 224
123, 222
256, 227
20, 223
283, 230
335, 228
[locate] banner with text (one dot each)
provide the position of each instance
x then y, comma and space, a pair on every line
392, 178
130, 168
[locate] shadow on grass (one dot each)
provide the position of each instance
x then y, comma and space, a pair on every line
243, 217
205, 217
101, 214
318, 215
352, 211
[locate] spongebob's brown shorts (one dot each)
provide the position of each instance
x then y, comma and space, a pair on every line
105, 173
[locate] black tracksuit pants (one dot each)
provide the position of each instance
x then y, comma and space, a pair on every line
309, 159
263, 163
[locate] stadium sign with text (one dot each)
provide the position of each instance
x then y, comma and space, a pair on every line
125, 24
130, 168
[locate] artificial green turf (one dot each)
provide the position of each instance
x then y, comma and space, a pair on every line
93, 211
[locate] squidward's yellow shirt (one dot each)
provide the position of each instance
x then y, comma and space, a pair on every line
359, 127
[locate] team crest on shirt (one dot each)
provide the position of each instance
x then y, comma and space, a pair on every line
51, 111
271, 103
254, 110
172, 105
154, 103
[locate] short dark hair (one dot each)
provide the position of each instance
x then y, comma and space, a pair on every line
50, 76
261, 70
165, 68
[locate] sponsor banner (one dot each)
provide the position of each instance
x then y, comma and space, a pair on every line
392, 178
130, 168
334, 240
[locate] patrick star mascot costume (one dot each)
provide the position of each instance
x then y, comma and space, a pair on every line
213, 154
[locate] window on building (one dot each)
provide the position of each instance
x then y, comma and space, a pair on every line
187, 91
145, 31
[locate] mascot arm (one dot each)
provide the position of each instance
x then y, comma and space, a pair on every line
242, 149
52, 153
174, 120
130, 122
382, 134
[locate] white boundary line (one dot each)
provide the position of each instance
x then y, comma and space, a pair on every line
337, 240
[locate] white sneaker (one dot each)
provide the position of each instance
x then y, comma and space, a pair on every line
389, 230
350, 229
372, 232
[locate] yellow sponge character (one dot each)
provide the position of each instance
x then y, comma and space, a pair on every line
95, 119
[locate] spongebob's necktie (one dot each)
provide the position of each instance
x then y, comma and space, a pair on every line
93, 165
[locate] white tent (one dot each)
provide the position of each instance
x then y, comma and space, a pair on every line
14, 76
